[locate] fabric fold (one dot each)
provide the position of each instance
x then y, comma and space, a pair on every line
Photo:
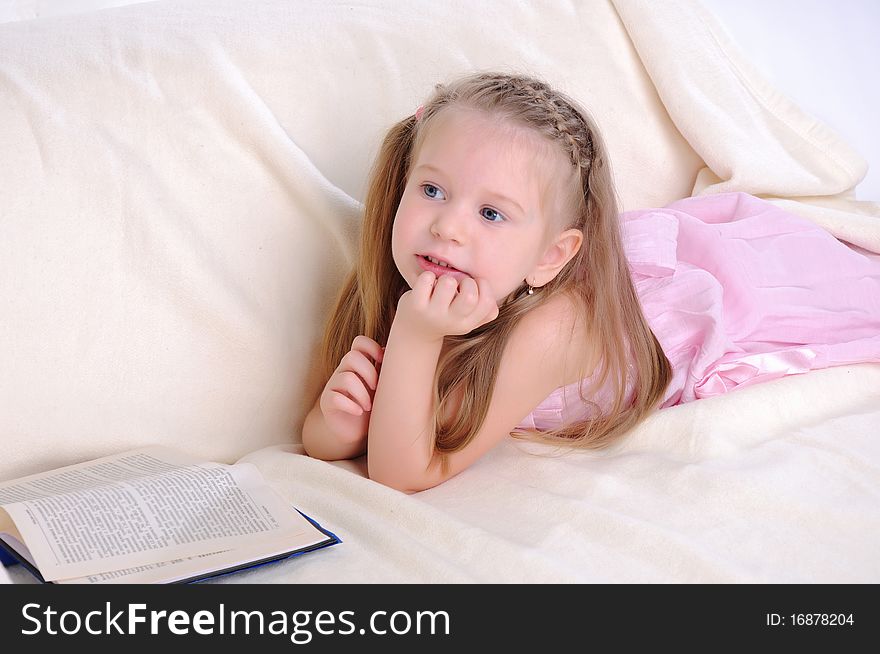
739, 291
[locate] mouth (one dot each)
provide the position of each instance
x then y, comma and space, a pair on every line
438, 266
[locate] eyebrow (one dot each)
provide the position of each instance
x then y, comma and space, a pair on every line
493, 193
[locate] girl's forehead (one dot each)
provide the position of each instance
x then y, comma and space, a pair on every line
475, 128
479, 145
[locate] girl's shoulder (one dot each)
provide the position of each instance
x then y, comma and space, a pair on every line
555, 333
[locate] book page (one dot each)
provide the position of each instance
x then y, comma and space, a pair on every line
144, 507
177, 570
194, 566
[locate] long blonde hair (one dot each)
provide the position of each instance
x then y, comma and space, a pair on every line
597, 277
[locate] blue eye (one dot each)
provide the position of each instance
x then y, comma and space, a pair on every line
491, 215
431, 191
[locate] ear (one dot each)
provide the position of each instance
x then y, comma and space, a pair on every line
558, 253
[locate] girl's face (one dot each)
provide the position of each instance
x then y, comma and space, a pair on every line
478, 198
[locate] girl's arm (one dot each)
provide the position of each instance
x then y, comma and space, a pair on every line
399, 445
321, 442
400, 450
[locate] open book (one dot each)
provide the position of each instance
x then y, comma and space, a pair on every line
152, 515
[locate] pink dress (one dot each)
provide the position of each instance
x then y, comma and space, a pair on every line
738, 291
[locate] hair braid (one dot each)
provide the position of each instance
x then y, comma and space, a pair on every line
564, 121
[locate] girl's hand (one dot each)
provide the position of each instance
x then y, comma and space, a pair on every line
437, 307
347, 398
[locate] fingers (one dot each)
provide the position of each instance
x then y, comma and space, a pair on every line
466, 299
340, 402
424, 285
356, 377
369, 347
444, 290
444, 305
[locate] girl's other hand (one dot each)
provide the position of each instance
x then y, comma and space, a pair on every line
441, 306
347, 398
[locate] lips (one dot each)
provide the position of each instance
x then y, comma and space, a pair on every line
438, 269
428, 257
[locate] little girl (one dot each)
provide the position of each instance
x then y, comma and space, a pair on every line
498, 291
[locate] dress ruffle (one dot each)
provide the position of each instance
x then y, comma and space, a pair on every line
739, 291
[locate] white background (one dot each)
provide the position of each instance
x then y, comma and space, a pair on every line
825, 56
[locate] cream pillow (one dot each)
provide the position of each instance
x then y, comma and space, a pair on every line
179, 195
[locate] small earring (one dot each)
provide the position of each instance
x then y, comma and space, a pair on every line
531, 290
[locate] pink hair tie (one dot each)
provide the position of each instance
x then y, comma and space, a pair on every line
419, 112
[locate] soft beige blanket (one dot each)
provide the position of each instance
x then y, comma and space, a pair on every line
774, 483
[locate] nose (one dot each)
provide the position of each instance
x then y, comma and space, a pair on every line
450, 224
